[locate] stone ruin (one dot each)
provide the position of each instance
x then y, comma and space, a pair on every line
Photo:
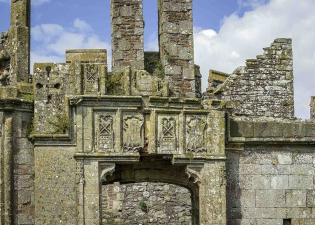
81, 145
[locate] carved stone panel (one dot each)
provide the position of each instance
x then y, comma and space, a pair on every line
105, 132
91, 78
195, 132
167, 141
133, 132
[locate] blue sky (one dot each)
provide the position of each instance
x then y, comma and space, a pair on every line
227, 32
207, 13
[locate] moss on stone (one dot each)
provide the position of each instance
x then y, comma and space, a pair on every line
114, 84
28, 97
153, 65
61, 123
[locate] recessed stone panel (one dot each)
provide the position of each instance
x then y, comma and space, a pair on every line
133, 132
105, 131
195, 133
167, 133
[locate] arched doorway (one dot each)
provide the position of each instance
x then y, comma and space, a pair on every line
146, 203
152, 191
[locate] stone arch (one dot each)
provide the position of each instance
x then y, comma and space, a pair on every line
146, 203
159, 172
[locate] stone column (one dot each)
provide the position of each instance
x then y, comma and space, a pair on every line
20, 39
176, 45
91, 193
212, 194
127, 34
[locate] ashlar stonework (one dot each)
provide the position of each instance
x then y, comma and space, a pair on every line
82, 144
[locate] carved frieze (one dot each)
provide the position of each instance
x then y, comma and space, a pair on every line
133, 132
106, 132
196, 126
167, 133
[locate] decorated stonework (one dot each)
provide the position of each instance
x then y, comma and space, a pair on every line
81, 144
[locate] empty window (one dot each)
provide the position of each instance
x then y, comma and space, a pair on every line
287, 222
150, 14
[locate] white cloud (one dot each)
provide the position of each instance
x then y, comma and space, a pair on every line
242, 37
82, 25
52, 40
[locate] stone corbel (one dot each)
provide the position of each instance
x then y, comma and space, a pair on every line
193, 173
107, 170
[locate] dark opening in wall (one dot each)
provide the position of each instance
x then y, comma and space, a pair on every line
287, 221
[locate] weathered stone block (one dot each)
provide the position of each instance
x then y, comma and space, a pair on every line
269, 222
301, 182
270, 198
310, 198
285, 158
247, 198
255, 182
303, 158
280, 182
295, 198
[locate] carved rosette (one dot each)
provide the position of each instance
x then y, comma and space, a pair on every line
105, 132
196, 126
133, 133
167, 133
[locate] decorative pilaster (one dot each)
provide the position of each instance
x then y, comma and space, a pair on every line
212, 194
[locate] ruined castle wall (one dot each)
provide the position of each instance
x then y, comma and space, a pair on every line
270, 176
127, 34
264, 87
146, 203
268, 184
176, 45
